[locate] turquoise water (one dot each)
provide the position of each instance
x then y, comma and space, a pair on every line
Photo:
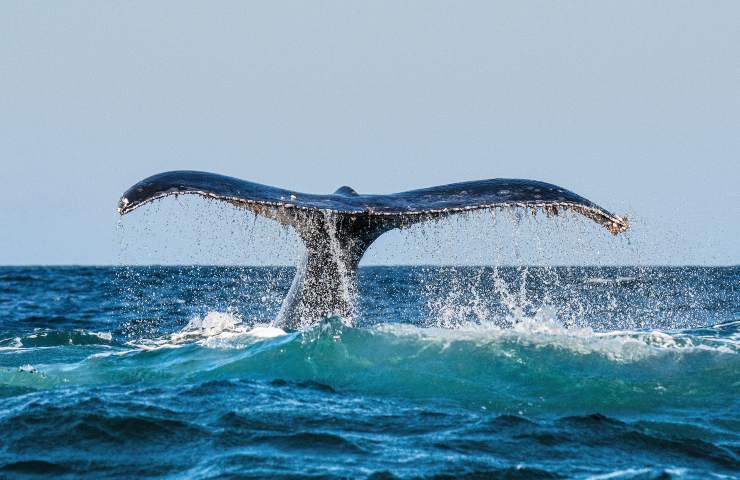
470, 372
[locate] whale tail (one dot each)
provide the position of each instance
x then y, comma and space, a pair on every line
338, 228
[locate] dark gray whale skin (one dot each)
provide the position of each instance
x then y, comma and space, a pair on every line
338, 228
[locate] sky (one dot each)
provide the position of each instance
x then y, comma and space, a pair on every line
634, 105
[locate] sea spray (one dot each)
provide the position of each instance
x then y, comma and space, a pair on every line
209, 388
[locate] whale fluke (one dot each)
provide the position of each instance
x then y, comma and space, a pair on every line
338, 228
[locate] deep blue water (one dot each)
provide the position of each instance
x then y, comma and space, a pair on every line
445, 373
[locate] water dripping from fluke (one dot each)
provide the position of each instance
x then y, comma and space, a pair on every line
337, 229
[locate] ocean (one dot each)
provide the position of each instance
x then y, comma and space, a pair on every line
442, 372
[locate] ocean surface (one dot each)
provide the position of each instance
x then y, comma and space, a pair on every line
526, 372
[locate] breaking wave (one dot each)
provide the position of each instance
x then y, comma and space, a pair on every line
537, 365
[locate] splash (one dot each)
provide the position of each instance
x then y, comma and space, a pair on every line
500, 270
345, 281
214, 330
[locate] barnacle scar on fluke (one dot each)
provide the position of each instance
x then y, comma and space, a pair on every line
338, 228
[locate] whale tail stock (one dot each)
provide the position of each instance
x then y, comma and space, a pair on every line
338, 228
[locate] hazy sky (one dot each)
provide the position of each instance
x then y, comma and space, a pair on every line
635, 105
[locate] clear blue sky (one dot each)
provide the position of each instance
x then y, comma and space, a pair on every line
635, 105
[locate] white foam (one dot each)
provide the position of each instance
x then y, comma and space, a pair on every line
541, 331
107, 336
627, 473
610, 281
266, 332
16, 343
213, 323
215, 330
